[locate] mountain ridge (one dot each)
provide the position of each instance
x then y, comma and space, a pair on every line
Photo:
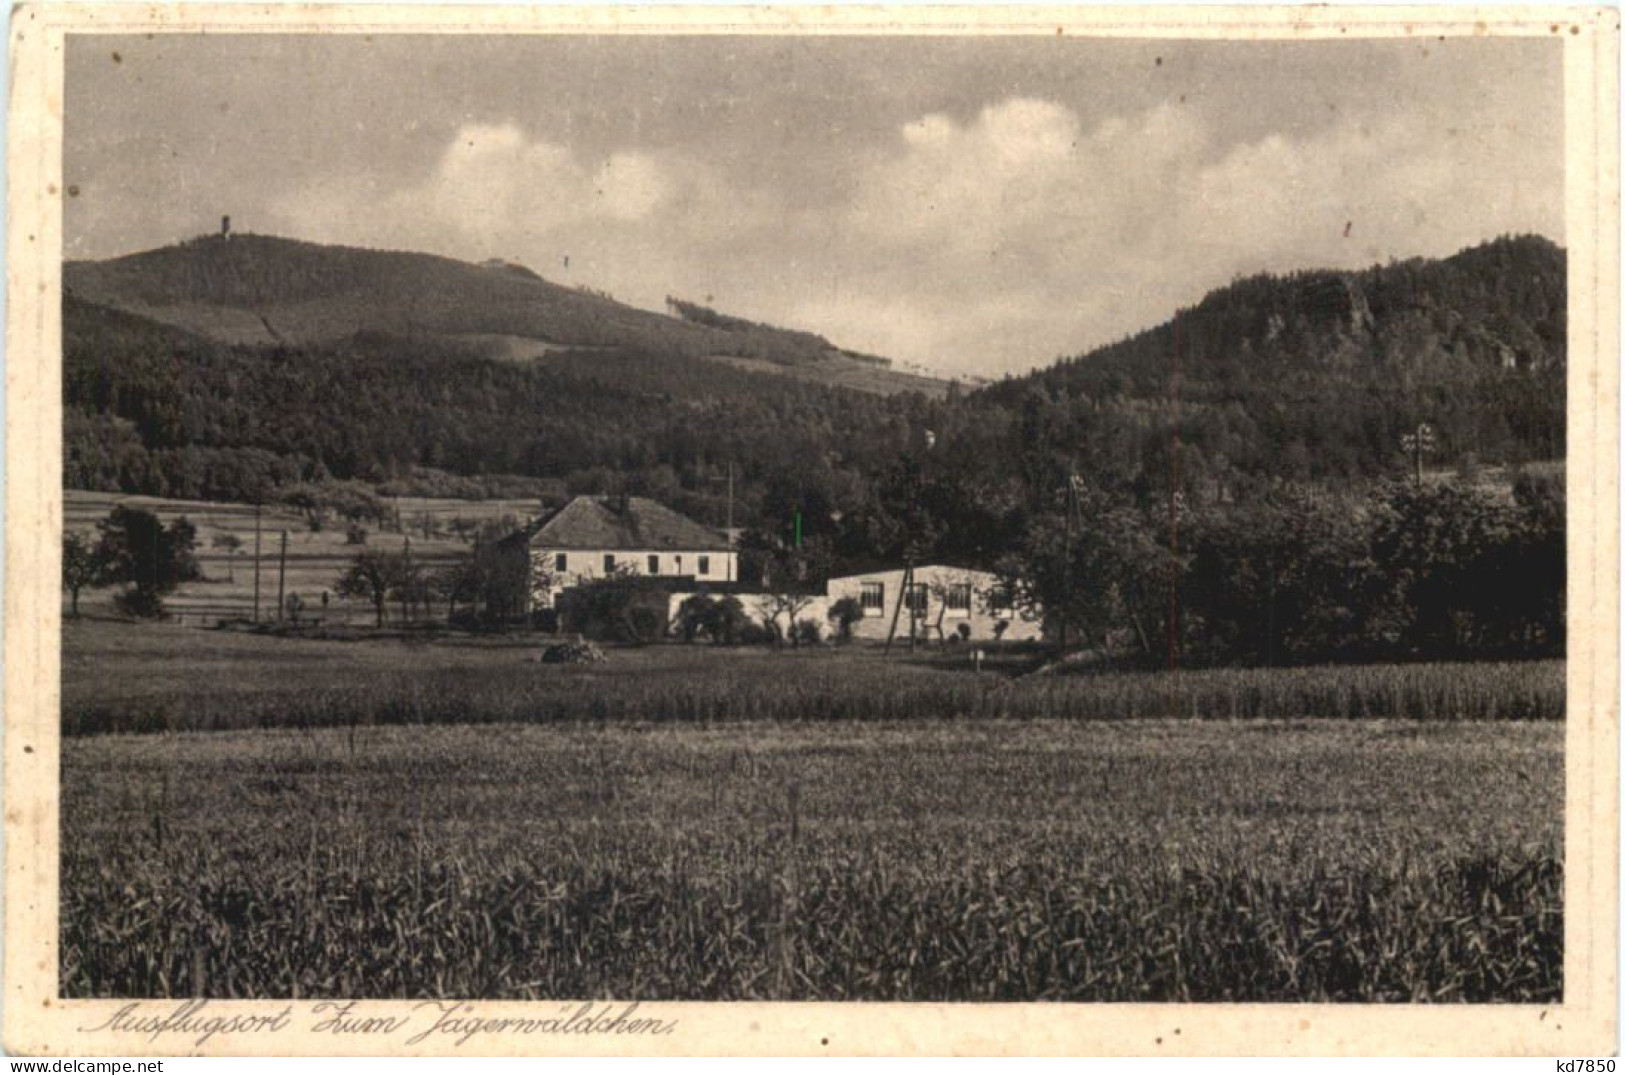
263, 290
1314, 377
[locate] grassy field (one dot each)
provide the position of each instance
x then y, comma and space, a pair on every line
315, 558
120, 677
1153, 860
690, 822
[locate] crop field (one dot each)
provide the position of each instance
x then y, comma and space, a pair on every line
970, 860
120, 677
388, 817
314, 560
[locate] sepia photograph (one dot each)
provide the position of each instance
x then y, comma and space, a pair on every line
610, 519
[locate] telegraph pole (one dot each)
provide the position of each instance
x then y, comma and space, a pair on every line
407, 597
903, 594
1073, 509
282, 576
256, 563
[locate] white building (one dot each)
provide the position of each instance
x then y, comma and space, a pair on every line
597, 537
945, 601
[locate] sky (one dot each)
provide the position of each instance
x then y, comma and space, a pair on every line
971, 205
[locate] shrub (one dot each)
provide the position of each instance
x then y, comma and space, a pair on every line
752, 633
695, 615
729, 621
843, 614
624, 609
140, 602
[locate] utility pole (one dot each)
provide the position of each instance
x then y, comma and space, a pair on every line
728, 528
406, 580
256, 563
903, 593
913, 610
1073, 511
282, 577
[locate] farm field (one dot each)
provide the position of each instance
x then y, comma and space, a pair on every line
1061, 860
315, 559
122, 677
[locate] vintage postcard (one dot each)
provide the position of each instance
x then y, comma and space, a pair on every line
666, 530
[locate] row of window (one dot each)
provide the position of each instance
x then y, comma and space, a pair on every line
561, 563
872, 596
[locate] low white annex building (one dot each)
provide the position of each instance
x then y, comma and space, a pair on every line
944, 601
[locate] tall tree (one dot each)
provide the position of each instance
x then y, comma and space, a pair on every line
374, 574
136, 548
81, 567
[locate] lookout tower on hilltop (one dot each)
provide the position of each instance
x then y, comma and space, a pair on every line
225, 227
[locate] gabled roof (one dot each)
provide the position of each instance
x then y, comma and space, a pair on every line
632, 523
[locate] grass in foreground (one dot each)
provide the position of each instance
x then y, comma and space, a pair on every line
149, 678
1286, 861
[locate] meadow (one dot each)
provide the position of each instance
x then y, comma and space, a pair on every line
120, 677
963, 860
398, 818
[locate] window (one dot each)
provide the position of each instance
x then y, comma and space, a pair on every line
919, 599
705, 565
959, 597
654, 564
1000, 601
609, 562
873, 597
561, 562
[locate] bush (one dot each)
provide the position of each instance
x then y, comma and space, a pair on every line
809, 632
751, 633
729, 621
695, 615
843, 614
140, 602
620, 609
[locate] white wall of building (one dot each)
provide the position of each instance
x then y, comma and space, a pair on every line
982, 615
949, 596
549, 576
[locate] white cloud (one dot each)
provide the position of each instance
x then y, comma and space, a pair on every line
978, 245
1019, 236
492, 185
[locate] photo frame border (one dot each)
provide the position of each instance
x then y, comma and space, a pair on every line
37, 1021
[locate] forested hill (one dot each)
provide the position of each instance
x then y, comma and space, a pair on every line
1314, 378
257, 289
152, 408
1325, 371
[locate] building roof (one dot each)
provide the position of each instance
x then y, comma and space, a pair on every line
632, 523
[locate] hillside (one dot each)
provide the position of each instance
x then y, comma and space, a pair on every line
252, 289
1320, 374
155, 409
1311, 379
